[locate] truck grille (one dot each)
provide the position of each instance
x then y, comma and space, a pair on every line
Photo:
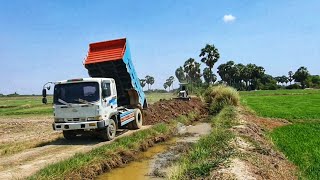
76, 119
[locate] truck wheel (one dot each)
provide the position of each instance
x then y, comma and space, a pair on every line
110, 132
69, 135
137, 122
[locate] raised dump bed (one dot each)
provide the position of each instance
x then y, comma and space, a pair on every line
112, 59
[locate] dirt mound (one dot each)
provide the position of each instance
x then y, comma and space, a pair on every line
165, 110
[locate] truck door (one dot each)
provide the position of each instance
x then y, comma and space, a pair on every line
109, 99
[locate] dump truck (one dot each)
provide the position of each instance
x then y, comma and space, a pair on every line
112, 98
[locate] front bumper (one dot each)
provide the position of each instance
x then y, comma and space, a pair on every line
79, 125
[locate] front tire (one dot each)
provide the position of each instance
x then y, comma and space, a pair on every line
137, 122
110, 132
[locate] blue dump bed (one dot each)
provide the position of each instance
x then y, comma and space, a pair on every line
112, 59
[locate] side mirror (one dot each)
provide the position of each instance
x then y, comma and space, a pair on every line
106, 93
44, 100
44, 93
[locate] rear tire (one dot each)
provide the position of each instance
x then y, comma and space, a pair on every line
110, 132
137, 122
69, 135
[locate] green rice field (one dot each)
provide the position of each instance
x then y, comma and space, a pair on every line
32, 105
299, 141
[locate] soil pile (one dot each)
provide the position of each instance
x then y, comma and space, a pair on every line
166, 110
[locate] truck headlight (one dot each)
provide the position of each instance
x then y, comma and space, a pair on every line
58, 120
97, 118
90, 119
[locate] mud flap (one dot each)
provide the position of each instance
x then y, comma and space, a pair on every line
101, 125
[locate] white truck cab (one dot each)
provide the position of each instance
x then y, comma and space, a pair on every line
111, 98
84, 100
90, 105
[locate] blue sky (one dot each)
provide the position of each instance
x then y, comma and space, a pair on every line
48, 40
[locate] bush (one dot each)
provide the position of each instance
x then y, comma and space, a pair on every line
220, 96
293, 86
269, 86
155, 91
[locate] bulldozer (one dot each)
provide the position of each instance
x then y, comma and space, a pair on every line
183, 92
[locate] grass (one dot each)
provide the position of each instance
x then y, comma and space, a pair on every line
279, 92
220, 96
300, 143
210, 150
295, 105
155, 97
300, 140
32, 105
24, 105
187, 119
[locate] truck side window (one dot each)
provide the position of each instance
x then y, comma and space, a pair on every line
106, 90
114, 89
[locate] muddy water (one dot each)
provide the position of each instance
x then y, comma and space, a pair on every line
157, 156
139, 169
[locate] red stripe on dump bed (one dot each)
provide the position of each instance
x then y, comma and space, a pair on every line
106, 51
127, 117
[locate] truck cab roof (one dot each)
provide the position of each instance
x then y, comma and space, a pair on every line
78, 80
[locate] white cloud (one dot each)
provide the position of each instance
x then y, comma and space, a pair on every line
228, 18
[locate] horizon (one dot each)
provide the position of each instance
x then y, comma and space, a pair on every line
48, 41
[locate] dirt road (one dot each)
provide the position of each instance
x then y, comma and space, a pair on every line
26, 163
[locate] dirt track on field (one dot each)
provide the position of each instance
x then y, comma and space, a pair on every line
28, 162
255, 156
29, 144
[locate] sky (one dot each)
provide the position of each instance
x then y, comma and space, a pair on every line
43, 41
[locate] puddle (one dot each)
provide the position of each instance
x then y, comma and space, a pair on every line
154, 163
139, 169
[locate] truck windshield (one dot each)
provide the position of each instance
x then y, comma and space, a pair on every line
76, 93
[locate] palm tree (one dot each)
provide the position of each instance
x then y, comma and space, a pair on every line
290, 76
142, 83
237, 70
301, 75
247, 74
169, 81
147, 78
284, 79
192, 69
149, 81
180, 74
227, 72
257, 73
165, 86
210, 56
207, 77
278, 79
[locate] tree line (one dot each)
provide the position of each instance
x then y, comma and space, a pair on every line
149, 81
253, 77
240, 76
